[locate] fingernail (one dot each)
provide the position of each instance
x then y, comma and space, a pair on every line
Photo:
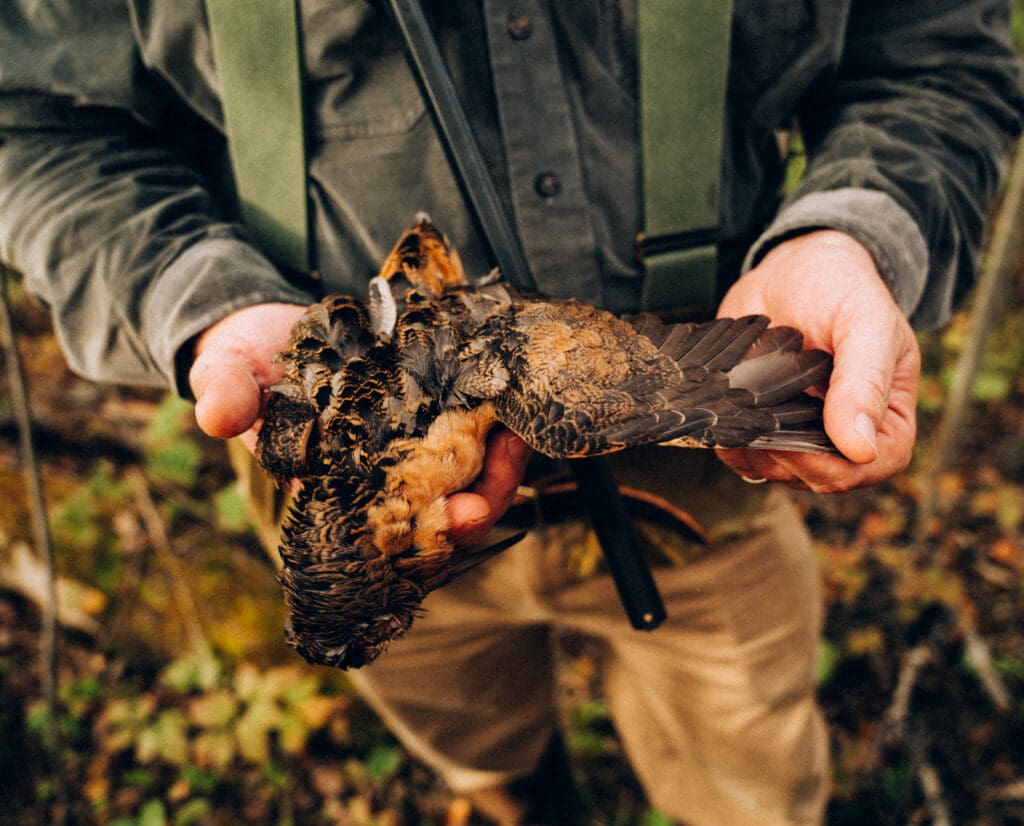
866, 428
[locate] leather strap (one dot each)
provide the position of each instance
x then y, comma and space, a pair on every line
683, 56
553, 503
256, 48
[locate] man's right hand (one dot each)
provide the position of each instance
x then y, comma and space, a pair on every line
234, 364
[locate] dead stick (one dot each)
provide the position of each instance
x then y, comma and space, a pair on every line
37, 507
931, 786
980, 657
899, 709
161, 542
44, 547
989, 300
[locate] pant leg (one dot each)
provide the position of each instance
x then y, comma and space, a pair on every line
470, 690
716, 708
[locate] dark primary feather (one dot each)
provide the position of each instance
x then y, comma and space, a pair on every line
382, 410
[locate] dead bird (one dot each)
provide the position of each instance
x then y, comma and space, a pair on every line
385, 404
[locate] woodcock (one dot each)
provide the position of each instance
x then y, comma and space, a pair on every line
385, 404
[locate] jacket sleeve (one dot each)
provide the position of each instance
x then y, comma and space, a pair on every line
906, 143
112, 227
124, 244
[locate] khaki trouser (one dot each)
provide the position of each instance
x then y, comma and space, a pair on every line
715, 708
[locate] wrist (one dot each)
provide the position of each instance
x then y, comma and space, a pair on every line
872, 217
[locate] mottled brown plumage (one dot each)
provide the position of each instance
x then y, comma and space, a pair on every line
385, 403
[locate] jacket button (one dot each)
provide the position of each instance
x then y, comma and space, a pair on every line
520, 26
547, 184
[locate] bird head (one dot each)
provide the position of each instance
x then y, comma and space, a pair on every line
423, 259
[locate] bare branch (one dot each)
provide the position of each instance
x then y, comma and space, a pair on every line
157, 532
37, 505
979, 656
895, 718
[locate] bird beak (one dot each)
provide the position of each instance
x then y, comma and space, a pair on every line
465, 559
383, 308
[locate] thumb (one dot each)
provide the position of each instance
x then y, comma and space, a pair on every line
470, 517
234, 361
858, 397
227, 395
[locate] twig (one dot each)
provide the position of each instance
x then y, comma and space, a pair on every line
157, 533
1012, 793
988, 302
895, 718
979, 656
931, 786
40, 527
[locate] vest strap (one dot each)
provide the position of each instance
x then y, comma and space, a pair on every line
683, 56
256, 48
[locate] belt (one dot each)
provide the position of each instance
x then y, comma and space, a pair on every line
553, 503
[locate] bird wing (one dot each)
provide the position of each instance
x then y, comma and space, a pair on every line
767, 371
584, 382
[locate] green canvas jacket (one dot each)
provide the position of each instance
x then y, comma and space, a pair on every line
116, 200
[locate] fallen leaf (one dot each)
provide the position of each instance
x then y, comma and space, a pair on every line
23, 572
1008, 552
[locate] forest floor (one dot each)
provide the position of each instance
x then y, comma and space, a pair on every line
178, 701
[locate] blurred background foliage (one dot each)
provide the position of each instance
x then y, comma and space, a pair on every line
178, 702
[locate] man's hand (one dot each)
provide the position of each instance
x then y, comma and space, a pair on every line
826, 285
234, 365
473, 512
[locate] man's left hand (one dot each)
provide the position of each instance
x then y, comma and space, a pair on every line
826, 285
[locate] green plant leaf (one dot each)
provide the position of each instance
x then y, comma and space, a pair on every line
214, 750
231, 509
252, 732
171, 454
297, 691
192, 811
652, 817
586, 714
992, 386
293, 733
175, 463
192, 673
384, 762
248, 681
153, 813
828, 658
1009, 666
165, 739
172, 418
137, 776
201, 781
895, 781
